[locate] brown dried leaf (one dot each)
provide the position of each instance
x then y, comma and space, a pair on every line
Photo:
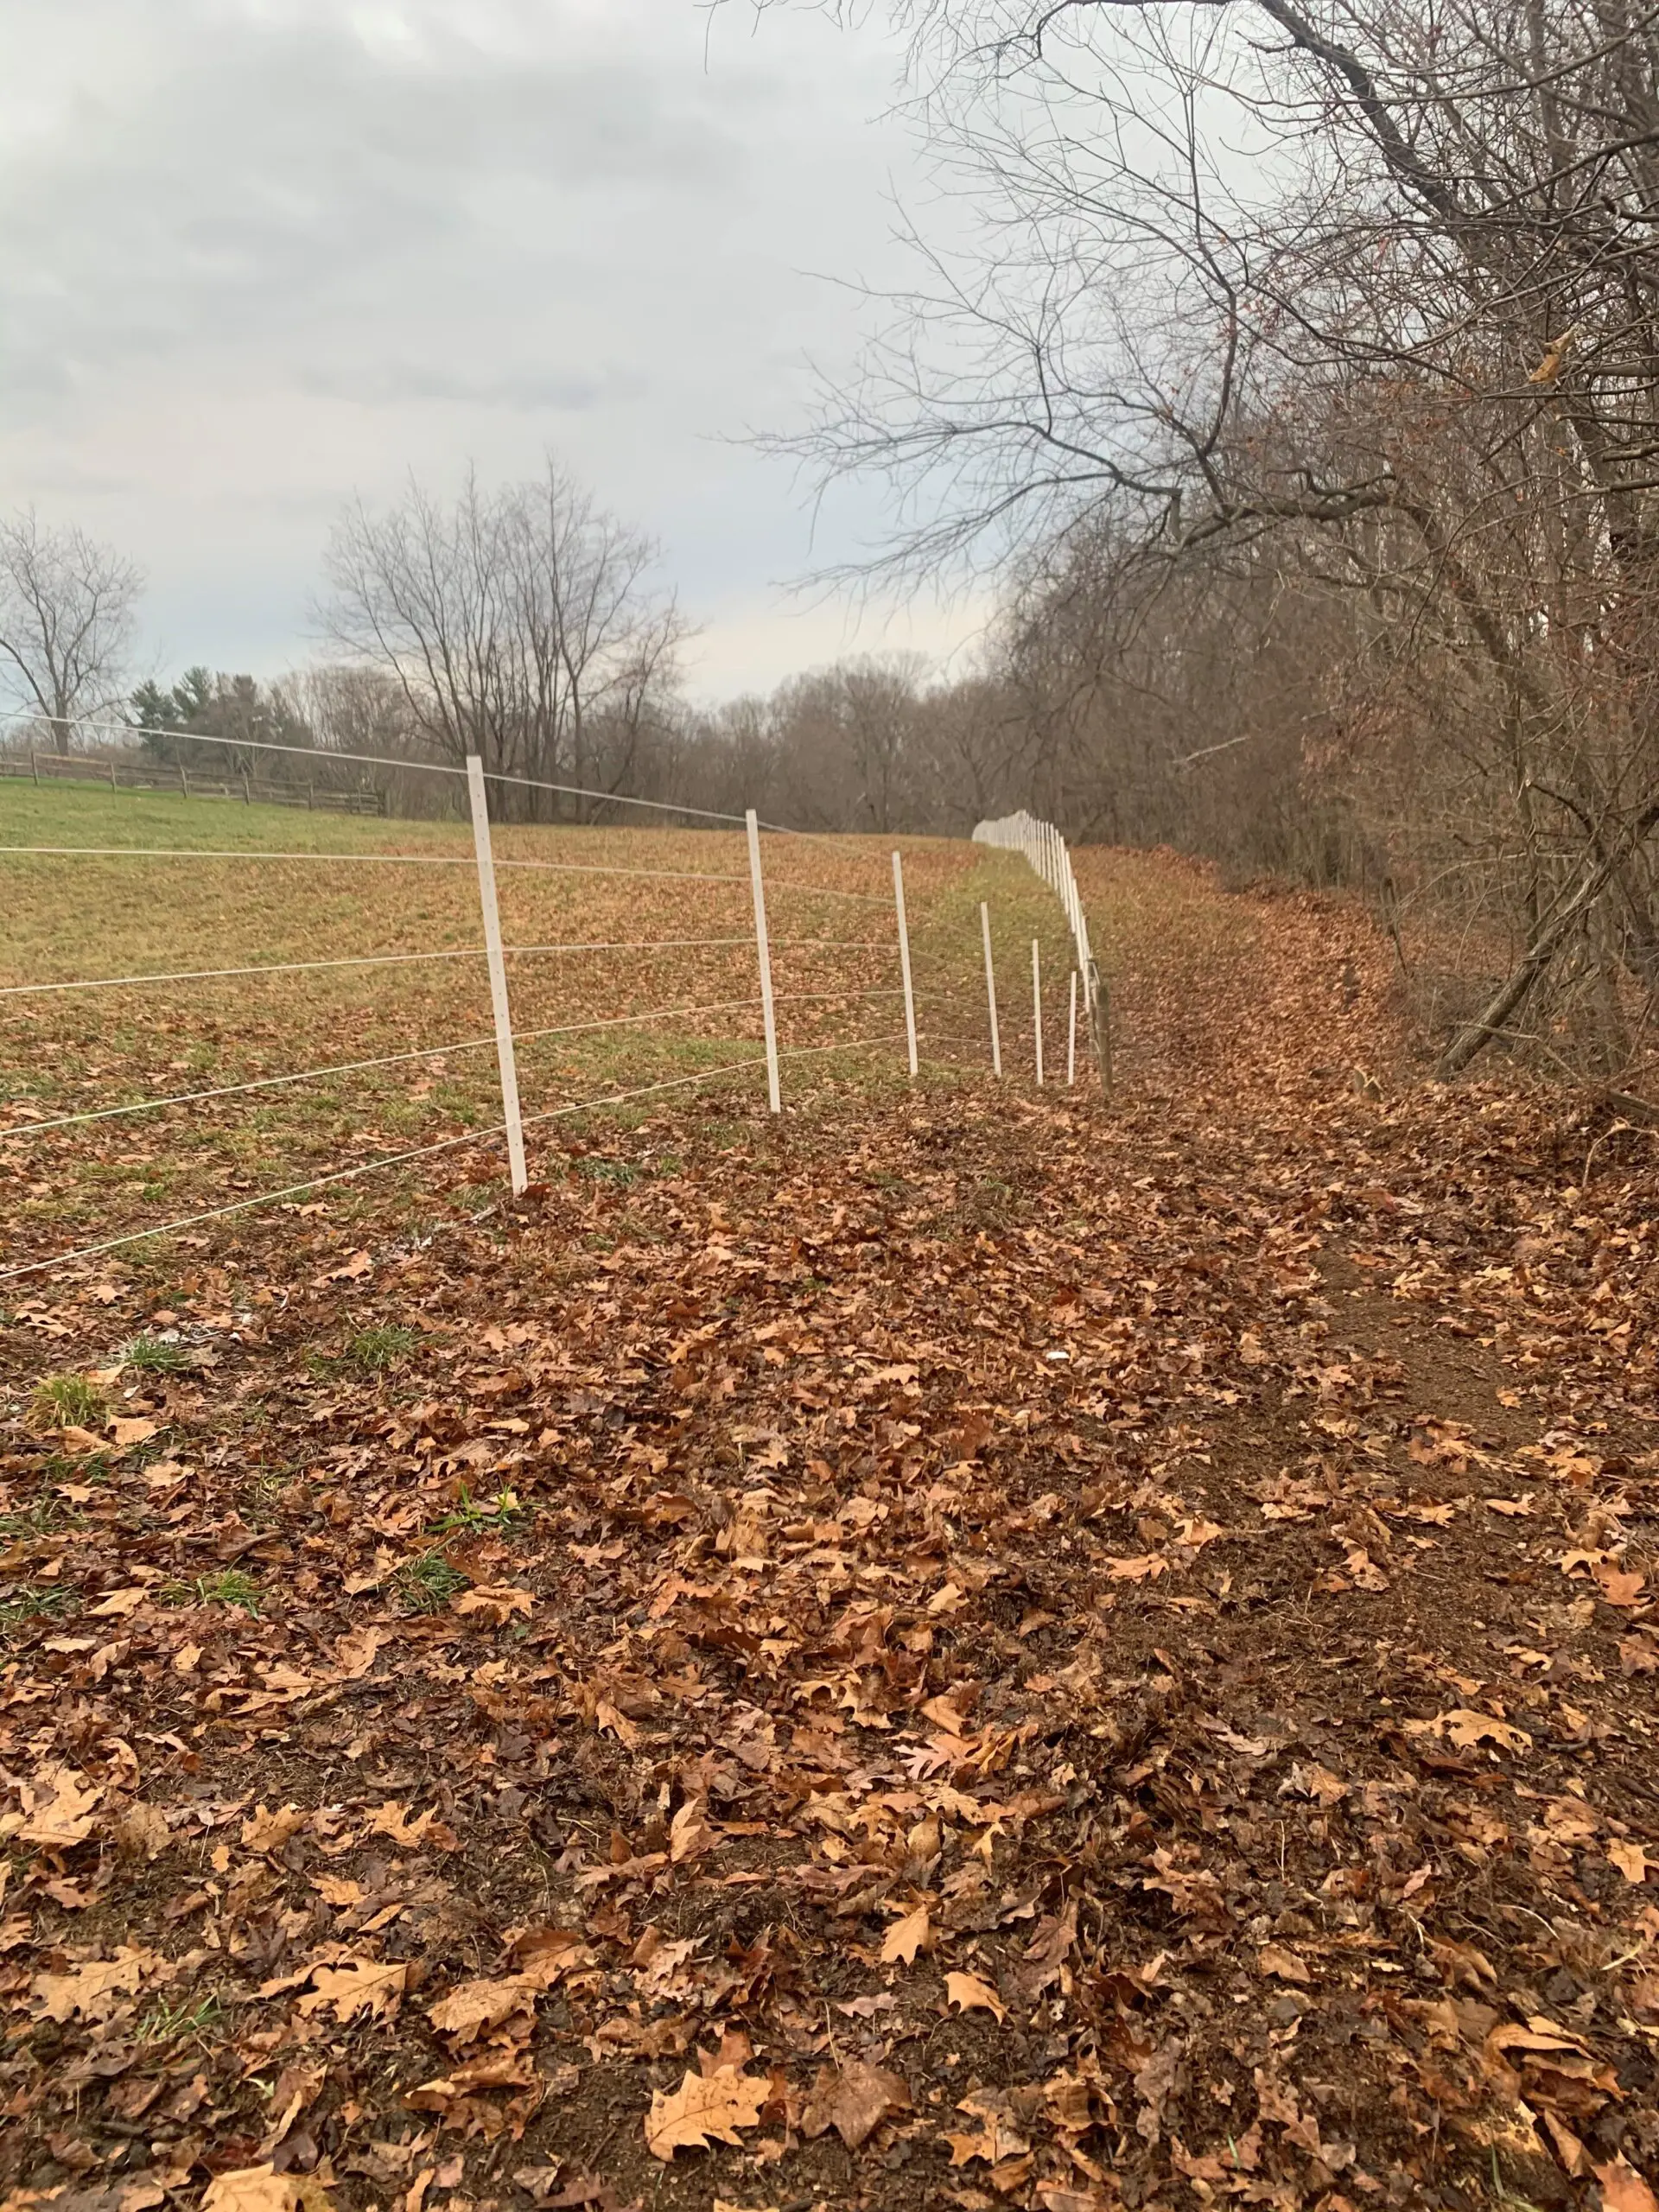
1273, 1958
268, 1831
1623, 2189
905, 1937
972, 1994
369, 1985
476, 2005
60, 1810
704, 2107
94, 1990
495, 1601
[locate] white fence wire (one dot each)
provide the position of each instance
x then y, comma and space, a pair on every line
24, 1124
1038, 842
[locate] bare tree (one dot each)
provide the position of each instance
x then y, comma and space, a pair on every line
521, 625
1335, 321
67, 623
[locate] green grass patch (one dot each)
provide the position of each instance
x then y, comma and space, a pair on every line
428, 1584
231, 1586
156, 1355
32, 1601
172, 2023
68, 1402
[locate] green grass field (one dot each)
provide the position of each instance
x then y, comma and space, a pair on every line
91, 914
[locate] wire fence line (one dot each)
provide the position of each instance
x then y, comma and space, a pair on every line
1042, 845
33, 1128
426, 1152
832, 1001
425, 860
823, 999
405, 959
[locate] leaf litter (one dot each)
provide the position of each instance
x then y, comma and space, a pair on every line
999, 1684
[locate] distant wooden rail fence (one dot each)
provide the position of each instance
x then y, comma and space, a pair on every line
192, 783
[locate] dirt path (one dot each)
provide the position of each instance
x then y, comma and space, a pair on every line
1013, 1654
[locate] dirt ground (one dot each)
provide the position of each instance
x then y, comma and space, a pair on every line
991, 1650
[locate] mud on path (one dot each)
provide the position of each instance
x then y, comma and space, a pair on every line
994, 1651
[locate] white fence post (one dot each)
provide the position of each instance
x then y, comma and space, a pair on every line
763, 955
904, 960
503, 1052
991, 988
1072, 1036
1037, 1005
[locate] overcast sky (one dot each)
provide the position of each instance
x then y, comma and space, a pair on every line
258, 255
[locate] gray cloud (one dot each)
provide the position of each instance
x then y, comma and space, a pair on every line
531, 392
257, 256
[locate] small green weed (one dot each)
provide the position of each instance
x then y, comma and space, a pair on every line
427, 1584
68, 1402
155, 1355
473, 1516
166, 2023
372, 1350
34, 1601
57, 1468
41, 1517
230, 1586
608, 1171
1508, 2199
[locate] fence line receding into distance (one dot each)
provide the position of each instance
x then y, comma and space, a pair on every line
501, 961
1042, 845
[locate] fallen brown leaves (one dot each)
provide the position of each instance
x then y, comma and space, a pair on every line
972, 1653
705, 2109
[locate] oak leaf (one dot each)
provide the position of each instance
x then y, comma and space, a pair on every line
474, 2005
905, 1937
1632, 1862
60, 1810
265, 1830
512, 2069
998, 2138
854, 2100
1274, 1960
262, 2189
392, 1819
1619, 1587
369, 1985
356, 1652
704, 2105
1145, 1568
688, 1832
972, 1994
1623, 2189
95, 1988
119, 1604
498, 1601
